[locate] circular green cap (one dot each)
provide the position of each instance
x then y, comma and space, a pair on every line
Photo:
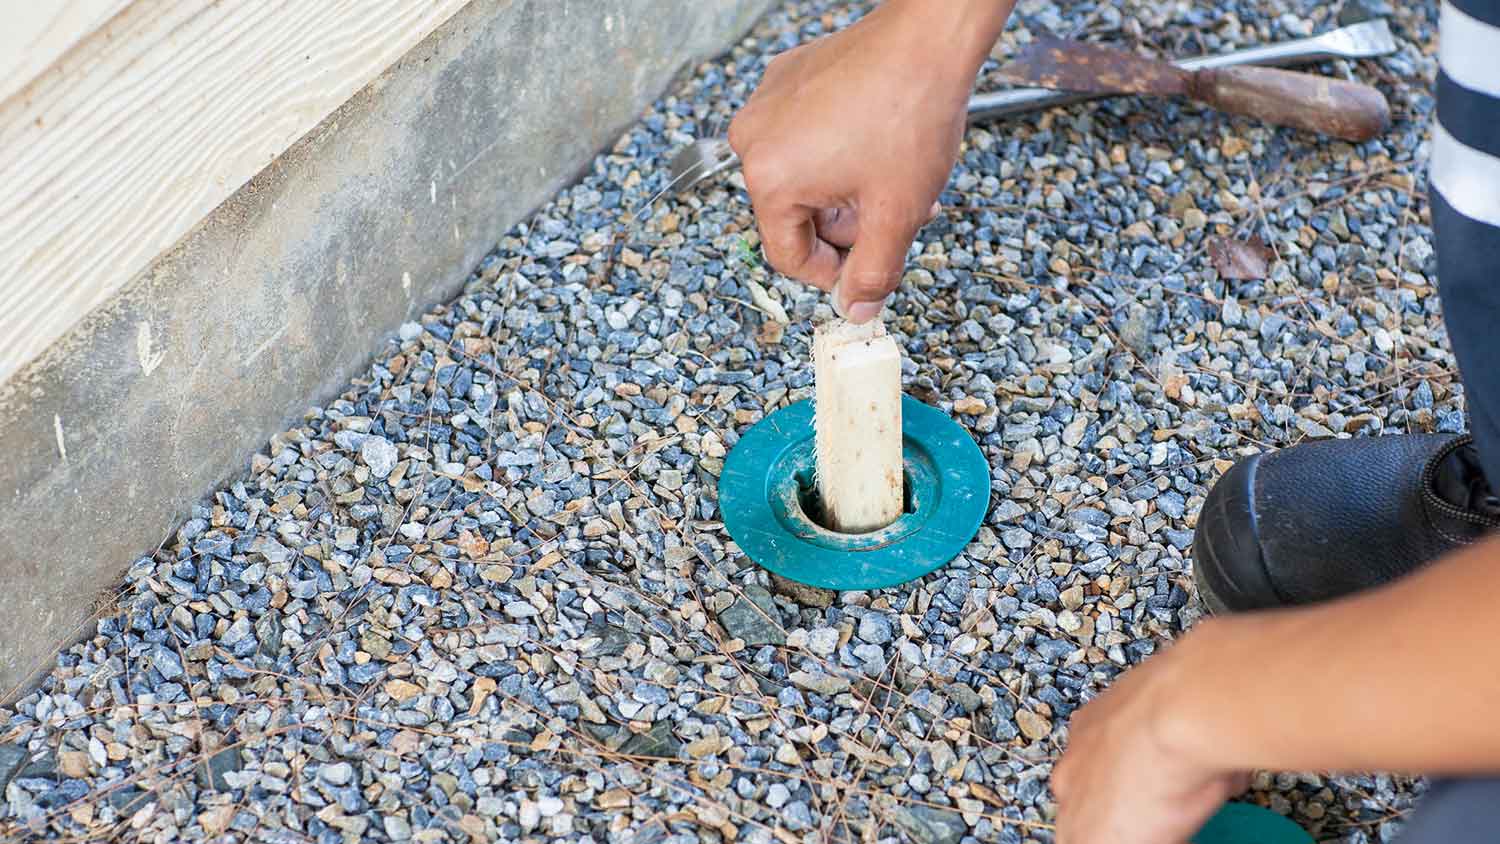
768, 496
1246, 823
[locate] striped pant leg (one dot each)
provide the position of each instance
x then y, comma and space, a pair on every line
1465, 194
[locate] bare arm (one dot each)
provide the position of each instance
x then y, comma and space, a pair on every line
1351, 685
1344, 686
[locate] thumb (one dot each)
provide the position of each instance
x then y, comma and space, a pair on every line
874, 266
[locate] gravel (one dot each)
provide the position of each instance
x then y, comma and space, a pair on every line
485, 593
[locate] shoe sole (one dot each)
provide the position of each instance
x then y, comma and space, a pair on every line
1227, 528
1206, 591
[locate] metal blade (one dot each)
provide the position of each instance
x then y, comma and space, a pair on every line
1363, 40
1062, 65
689, 174
694, 163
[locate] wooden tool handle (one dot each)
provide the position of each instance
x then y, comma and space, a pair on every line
1348, 110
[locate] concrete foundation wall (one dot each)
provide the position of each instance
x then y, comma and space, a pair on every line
283, 292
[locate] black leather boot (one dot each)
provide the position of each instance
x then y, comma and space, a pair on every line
1324, 519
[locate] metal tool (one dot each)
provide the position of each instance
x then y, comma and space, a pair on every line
707, 157
1357, 41
1349, 110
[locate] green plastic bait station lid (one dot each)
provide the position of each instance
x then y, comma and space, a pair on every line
769, 499
1246, 823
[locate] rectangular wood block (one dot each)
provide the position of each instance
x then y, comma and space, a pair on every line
858, 421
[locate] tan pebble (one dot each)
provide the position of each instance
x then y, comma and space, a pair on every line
615, 798
473, 545
405, 742
1032, 725
969, 406
402, 691
74, 763
1072, 597
1069, 621
216, 820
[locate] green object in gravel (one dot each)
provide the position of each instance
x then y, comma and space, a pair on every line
769, 500
1245, 823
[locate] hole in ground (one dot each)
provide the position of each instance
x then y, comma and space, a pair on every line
811, 501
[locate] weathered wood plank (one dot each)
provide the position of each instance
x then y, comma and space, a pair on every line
150, 122
857, 414
36, 35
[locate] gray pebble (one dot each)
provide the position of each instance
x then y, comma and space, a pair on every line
379, 454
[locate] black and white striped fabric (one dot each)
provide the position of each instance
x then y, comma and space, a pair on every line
1465, 192
1466, 139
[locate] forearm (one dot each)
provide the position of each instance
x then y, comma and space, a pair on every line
960, 33
1403, 678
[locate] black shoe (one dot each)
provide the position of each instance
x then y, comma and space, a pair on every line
1325, 519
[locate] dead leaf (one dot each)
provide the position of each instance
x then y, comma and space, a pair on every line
765, 303
541, 741
986, 794
483, 688
1241, 260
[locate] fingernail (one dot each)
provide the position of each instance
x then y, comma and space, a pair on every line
864, 311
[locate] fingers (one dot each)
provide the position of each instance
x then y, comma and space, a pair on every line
838, 226
788, 229
789, 237
874, 266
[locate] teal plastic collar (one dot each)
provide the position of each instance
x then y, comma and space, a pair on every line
771, 508
1246, 823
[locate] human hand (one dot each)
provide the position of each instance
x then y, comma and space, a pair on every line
1133, 773
848, 140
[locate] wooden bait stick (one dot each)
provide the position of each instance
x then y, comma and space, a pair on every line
857, 417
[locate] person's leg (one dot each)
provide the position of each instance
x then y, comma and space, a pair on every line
1465, 192
1455, 812
1321, 520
